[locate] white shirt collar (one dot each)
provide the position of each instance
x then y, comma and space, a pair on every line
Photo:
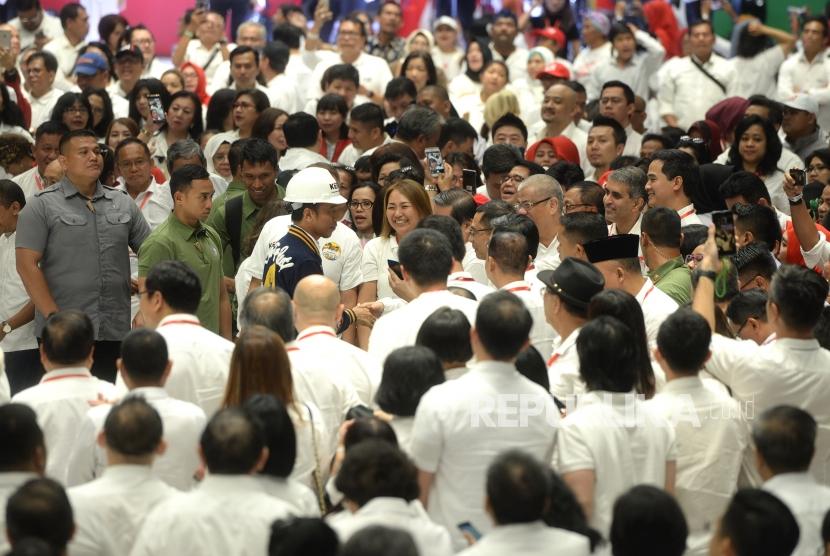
648, 285
683, 384
518, 285
179, 318
314, 330
66, 373
789, 479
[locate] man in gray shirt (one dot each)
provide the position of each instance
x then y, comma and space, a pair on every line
71, 248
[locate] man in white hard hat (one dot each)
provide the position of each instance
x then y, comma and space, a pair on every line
314, 196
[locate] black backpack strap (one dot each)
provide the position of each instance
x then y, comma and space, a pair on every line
233, 223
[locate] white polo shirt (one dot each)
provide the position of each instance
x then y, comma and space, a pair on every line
9, 483
13, 297
688, 216
542, 335
622, 441
547, 256
376, 253
529, 539
64, 52
687, 93
808, 501
30, 182
42, 106
292, 492
463, 424
656, 306
341, 252
199, 55
400, 327
712, 441
282, 93
374, 72
563, 368
468, 282
183, 425
110, 510
430, 538
61, 401
225, 514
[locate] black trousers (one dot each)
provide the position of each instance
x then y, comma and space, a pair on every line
104, 358
23, 369
238, 9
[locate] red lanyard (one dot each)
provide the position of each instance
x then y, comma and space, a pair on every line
648, 292
553, 359
689, 212
323, 332
181, 321
38, 181
50, 379
463, 279
519, 289
144, 201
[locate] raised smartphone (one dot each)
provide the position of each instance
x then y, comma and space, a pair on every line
724, 233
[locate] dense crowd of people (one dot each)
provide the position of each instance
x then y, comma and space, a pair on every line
545, 281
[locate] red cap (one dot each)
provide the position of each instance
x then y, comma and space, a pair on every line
551, 33
555, 69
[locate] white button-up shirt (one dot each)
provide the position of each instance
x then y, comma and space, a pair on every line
467, 281
42, 106
712, 441
430, 538
199, 55
375, 268
110, 511
9, 483
784, 372
183, 425
657, 306
61, 401
516, 62
300, 159
809, 502
50, 25
635, 73
30, 182
563, 368
341, 253
622, 441
547, 256
155, 202
225, 514
542, 334
756, 76
797, 75
687, 93
688, 216
201, 361
298, 495
463, 424
530, 539
374, 72
13, 297
400, 327
64, 52
359, 368
589, 59
282, 92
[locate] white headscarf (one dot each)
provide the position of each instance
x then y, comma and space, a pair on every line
213, 145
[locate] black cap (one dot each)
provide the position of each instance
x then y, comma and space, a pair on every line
130, 53
612, 248
574, 280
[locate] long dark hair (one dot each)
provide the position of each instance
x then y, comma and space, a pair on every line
197, 127
377, 208
335, 102
220, 105
11, 113
486, 57
769, 163
100, 129
426, 58
65, 102
154, 87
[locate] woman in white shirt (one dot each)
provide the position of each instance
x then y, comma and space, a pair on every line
530, 91
365, 211
595, 29
757, 149
184, 121
494, 78
216, 155
260, 365
478, 55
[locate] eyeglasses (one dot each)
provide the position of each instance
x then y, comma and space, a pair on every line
365, 205
740, 328
527, 205
570, 207
474, 231
516, 178
816, 168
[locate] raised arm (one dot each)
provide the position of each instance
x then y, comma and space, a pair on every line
704, 297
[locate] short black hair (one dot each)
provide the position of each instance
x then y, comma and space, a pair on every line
799, 294
133, 427
624, 161
10, 193
607, 358
699, 22
693, 236
400, 86
821, 330
182, 178
232, 442
287, 34
144, 356
761, 220
662, 225
566, 173
235, 153
683, 340
749, 304
744, 184
68, 337
519, 223
365, 428
241, 50
271, 308
178, 284
379, 540
659, 137
499, 159
302, 535
815, 19
277, 53
408, 373
342, 72
776, 114
757, 523
533, 367
258, 151
619, 130
463, 206
679, 163
450, 229
628, 92
132, 141
369, 114
456, 130
503, 325
374, 469
755, 259
427, 256
48, 59
69, 11
419, 121
511, 120
648, 508
74, 135
582, 227
494, 209
517, 487
301, 130
280, 437
21, 435
50, 128
447, 333
40, 509
509, 250
590, 193
785, 437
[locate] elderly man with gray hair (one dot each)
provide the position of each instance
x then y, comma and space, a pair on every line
625, 199
420, 128
540, 198
187, 151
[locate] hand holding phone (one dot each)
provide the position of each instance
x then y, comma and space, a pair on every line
469, 181
434, 160
799, 176
395, 267
156, 109
468, 528
724, 233
5, 39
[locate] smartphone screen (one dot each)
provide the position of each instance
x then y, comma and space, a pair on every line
724, 233
800, 176
434, 160
468, 181
395, 267
156, 109
467, 527
5, 40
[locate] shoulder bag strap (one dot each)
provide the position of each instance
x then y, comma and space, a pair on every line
233, 223
709, 75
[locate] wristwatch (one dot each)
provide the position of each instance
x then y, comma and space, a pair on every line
711, 274
7, 328
796, 200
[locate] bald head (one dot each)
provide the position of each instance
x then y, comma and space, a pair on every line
316, 301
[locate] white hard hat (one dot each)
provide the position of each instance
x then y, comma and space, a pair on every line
313, 185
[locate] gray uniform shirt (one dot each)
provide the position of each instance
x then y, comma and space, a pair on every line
85, 258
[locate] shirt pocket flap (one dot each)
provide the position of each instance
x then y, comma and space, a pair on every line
118, 217
73, 219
